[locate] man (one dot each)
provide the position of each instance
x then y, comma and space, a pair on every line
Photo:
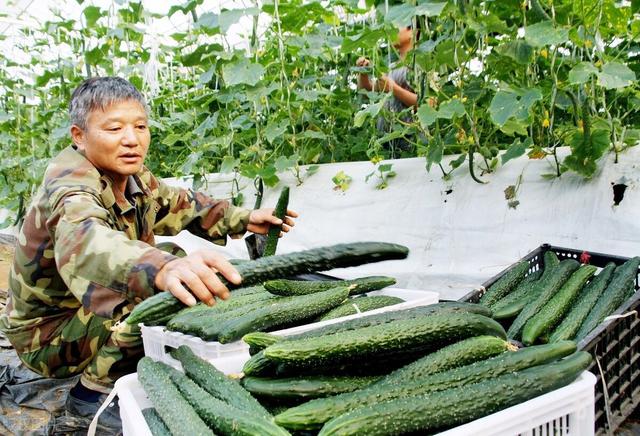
86, 255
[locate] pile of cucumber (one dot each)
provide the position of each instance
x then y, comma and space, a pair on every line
565, 301
424, 369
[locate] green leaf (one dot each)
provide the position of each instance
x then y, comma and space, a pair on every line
458, 161
616, 75
190, 162
208, 21
585, 151
513, 126
230, 17
544, 33
241, 72
313, 134
92, 14
518, 50
366, 39
172, 138
515, 150
274, 129
385, 168
207, 125
581, 73
434, 153
427, 115
229, 164
503, 106
283, 163
371, 110
402, 15
451, 109
312, 169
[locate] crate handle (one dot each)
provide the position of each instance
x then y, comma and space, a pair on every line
105, 404
622, 315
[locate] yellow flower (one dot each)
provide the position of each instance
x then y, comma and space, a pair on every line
544, 53
545, 123
588, 43
376, 160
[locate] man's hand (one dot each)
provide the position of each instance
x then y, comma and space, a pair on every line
362, 62
197, 271
261, 219
385, 84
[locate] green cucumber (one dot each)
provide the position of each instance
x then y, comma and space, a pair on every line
552, 312
313, 414
361, 285
511, 305
505, 284
280, 313
260, 340
274, 231
259, 365
361, 304
216, 383
426, 413
452, 356
305, 387
585, 302
284, 265
621, 285
547, 286
415, 334
179, 416
219, 415
155, 423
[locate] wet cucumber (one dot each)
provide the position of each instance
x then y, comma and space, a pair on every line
552, 312
621, 286
284, 265
313, 414
426, 413
585, 302
505, 284
420, 334
281, 313
361, 285
547, 286
359, 305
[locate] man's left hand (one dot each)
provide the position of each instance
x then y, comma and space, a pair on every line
261, 219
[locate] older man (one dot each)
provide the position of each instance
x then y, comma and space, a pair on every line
86, 252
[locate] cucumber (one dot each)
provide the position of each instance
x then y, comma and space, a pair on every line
505, 284
260, 340
259, 365
452, 356
216, 383
155, 423
621, 285
175, 411
219, 415
550, 259
285, 265
427, 413
511, 305
552, 312
311, 415
361, 285
247, 290
274, 231
585, 302
305, 387
362, 304
547, 286
417, 334
279, 313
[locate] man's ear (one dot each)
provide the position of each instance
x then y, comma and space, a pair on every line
77, 136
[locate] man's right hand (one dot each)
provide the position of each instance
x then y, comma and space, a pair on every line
197, 271
362, 62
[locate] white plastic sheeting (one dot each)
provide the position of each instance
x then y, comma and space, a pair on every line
460, 232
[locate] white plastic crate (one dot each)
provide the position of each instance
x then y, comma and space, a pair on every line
568, 411
229, 358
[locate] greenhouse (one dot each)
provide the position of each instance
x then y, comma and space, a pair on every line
335, 217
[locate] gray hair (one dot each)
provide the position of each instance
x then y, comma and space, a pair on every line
99, 93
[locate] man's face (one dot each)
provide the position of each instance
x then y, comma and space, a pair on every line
116, 140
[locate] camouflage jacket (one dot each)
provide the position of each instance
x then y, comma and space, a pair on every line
85, 244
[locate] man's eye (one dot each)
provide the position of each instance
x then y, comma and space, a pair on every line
114, 129
142, 127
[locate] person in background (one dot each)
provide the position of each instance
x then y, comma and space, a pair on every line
86, 251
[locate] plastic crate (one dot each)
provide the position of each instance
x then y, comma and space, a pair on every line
229, 358
565, 411
614, 344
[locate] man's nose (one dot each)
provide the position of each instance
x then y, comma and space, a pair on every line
129, 137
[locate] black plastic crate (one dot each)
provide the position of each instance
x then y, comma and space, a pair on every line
614, 344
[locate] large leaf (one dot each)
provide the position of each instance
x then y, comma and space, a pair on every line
371, 110
616, 75
518, 50
544, 33
230, 17
92, 14
275, 129
503, 106
516, 149
451, 109
241, 72
402, 15
585, 151
582, 72
427, 115
366, 39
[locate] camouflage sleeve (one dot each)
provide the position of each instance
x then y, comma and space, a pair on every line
183, 209
101, 266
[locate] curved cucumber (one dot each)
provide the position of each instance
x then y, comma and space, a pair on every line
585, 302
547, 286
284, 265
359, 305
505, 284
361, 285
551, 313
425, 413
315, 413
